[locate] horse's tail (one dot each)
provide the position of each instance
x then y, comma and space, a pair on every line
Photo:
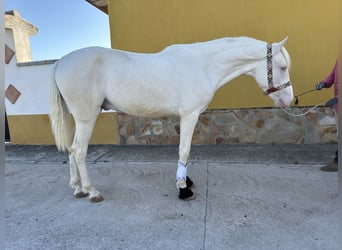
60, 117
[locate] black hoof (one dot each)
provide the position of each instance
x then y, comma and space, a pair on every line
185, 193
189, 182
81, 195
97, 198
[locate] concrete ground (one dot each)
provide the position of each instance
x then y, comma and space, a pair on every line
247, 197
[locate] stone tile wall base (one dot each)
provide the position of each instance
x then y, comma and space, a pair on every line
259, 125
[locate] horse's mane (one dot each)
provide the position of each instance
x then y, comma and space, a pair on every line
224, 40
252, 41
242, 40
239, 40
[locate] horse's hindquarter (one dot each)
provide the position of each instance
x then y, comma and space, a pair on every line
79, 76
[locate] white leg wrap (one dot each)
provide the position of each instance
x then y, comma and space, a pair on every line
181, 171
181, 175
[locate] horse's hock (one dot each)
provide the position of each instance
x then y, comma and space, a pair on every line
257, 125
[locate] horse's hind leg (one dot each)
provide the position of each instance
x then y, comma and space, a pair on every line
78, 153
75, 179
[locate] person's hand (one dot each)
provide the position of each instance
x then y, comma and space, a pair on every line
320, 85
332, 102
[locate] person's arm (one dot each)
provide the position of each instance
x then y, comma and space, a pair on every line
329, 80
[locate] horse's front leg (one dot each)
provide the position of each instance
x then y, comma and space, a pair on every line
183, 182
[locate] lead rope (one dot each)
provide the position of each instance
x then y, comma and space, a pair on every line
305, 113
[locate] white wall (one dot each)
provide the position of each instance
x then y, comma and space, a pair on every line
33, 82
32, 79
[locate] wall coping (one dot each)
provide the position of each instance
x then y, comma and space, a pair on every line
37, 63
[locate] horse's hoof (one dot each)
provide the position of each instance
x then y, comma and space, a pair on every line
189, 182
96, 199
186, 194
80, 194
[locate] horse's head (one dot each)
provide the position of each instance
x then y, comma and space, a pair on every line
272, 74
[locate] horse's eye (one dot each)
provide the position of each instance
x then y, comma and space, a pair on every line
284, 68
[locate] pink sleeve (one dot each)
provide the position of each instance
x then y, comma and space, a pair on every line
330, 78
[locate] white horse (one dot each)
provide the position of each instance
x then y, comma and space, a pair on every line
179, 80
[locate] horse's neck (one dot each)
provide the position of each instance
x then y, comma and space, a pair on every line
230, 58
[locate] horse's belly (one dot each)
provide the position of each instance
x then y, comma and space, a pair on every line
147, 111
146, 103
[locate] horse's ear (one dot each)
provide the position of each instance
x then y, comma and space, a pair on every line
283, 42
278, 46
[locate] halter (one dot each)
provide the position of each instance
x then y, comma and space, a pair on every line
271, 88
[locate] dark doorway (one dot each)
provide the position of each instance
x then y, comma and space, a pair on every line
7, 133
